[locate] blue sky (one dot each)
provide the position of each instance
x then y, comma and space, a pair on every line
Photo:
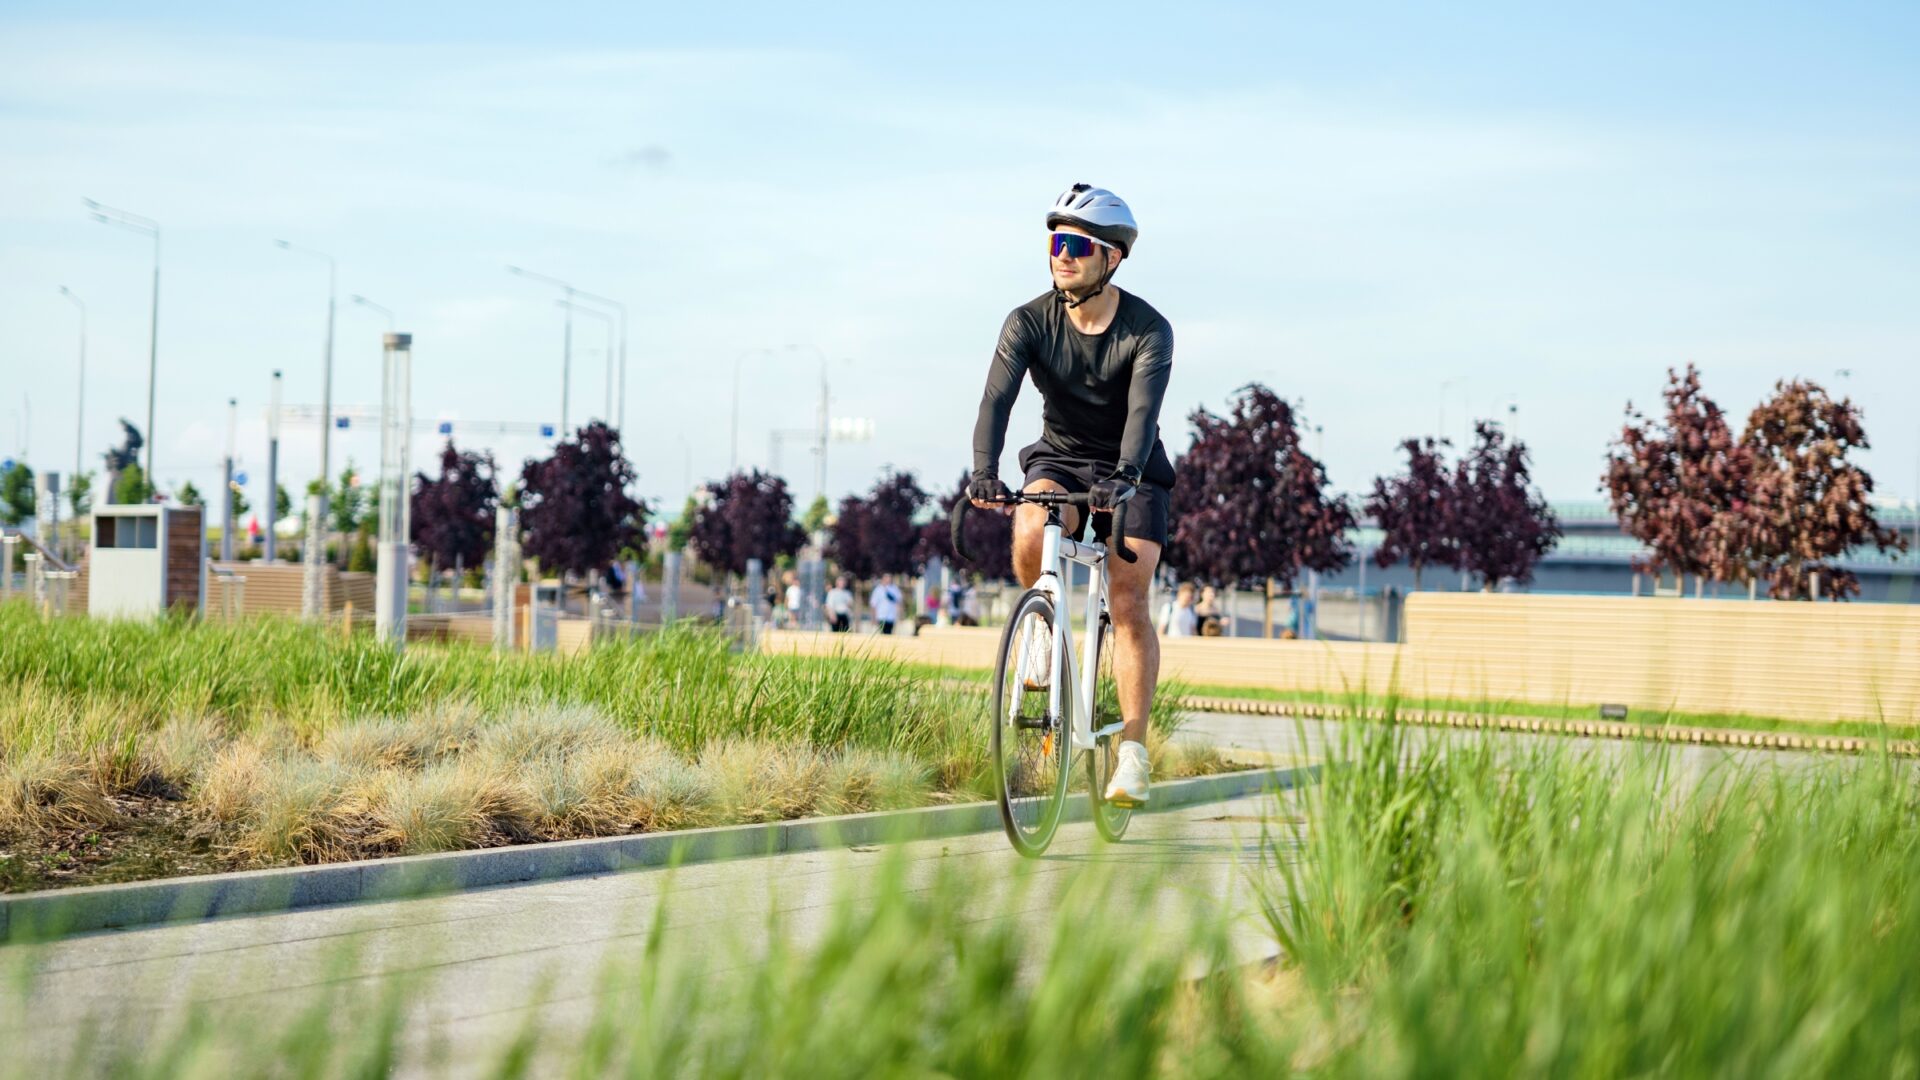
1398, 215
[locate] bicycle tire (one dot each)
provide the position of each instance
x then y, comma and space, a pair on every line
1031, 749
1109, 820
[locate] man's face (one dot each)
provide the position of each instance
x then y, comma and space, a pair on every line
1077, 274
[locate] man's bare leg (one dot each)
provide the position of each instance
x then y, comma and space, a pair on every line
1136, 648
1029, 531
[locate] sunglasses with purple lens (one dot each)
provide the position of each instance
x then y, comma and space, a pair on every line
1074, 245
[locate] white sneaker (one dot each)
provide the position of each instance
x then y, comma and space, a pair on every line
1038, 663
1129, 786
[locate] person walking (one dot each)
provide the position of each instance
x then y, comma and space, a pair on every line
1182, 620
885, 602
1207, 613
840, 605
793, 597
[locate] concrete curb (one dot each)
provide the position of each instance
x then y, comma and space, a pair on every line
50, 914
1540, 725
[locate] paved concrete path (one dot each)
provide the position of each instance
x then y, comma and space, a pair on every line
1289, 739
490, 959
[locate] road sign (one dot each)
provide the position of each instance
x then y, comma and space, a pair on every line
342, 422
446, 427
546, 431
240, 478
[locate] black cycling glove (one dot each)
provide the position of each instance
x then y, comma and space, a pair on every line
987, 487
1107, 495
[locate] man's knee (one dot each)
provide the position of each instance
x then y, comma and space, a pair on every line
1128, 607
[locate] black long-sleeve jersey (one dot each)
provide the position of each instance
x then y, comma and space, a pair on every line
1101, 393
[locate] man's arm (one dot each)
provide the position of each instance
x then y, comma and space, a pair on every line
1009, 367
1152, 366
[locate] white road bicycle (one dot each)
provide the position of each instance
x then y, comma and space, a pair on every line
1052, 706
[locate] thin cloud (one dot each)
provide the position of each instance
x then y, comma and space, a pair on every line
651, 158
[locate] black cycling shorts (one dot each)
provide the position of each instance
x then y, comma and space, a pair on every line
1149, 513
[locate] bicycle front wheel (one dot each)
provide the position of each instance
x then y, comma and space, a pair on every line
1110, 820
1030, 744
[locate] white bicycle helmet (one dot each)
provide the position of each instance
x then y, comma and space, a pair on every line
1102, 213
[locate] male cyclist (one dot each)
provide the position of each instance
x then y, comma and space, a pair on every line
1100, 359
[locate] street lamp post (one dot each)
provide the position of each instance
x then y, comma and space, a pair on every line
733, 438
226, 483
825, 420
145, 226
566, 344
273, 471
366, 303
607, 318
80, 408
313, 548
617, 415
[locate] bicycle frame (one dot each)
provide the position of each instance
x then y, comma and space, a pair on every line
1056, 552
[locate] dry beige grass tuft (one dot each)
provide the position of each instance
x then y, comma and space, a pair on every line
409, 743
523, 736
180, 753
671, 793
42, 791
859, 780
583, 794
452, 805
1176, 758
301, 810
758, 780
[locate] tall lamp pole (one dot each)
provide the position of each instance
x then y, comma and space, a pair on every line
312, 553
566, 344
733, 439
608, 319
273, 470
226, 483
145, 226
370, 305
618, 414
80, 409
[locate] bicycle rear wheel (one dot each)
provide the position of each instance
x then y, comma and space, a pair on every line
1030, 745
1111, 821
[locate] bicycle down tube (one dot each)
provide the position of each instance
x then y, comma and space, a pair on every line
1056, 552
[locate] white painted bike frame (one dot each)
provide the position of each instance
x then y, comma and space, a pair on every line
1056, 551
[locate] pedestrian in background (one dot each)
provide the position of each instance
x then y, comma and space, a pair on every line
840, 605
885, 602
793, 597
1181, 618
1210, 618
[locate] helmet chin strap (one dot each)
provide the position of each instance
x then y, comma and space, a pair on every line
1098, 288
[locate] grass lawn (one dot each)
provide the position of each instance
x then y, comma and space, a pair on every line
137, 749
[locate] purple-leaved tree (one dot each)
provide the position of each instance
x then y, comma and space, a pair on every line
876, 534
1416, 511
1811, 504
1250, 504
575, 509
1680, 487
453, 514
1502, 522
749, 515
